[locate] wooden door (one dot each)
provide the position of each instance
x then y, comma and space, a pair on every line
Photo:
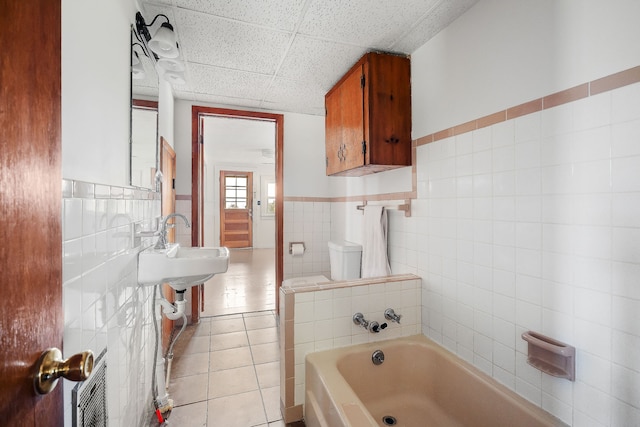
236, 203
31, 317
168, 194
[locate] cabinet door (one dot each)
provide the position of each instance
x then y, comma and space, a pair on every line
389, 101
344, 124
353, 120
333, 131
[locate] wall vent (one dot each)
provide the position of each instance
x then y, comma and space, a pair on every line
89, 398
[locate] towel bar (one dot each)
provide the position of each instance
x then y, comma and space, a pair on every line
406, 207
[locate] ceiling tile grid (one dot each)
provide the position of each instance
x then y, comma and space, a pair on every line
281, 14
286, 54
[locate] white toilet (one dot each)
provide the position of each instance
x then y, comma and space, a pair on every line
344, 258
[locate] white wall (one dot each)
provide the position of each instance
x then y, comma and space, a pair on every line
503, 53
96, 90
104, 307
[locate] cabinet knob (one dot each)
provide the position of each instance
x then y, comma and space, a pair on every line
342, 156
392, 140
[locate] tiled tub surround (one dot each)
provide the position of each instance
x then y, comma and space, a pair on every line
104, 307
319, 317
528, 219
533, 222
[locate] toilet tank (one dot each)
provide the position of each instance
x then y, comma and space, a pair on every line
344, 258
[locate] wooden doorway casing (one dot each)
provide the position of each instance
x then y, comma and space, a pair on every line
197, 179
236, 225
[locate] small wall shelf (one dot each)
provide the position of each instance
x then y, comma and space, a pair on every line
550, 356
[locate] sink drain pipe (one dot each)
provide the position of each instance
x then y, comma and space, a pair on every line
174, 312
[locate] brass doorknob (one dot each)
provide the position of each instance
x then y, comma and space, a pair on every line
51, 366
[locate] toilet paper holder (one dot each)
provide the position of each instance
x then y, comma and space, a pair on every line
296, 243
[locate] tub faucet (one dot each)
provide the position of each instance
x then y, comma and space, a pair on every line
373, 327
162, 239
358, 319
389, 314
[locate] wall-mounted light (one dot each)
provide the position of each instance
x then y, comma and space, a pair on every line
137, 69
162, 48
163, 43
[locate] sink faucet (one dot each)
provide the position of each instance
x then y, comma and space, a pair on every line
162, 239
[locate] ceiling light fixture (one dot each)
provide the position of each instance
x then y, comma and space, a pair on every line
163, 43
162, 48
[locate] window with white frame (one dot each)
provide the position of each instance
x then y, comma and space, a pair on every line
268, 189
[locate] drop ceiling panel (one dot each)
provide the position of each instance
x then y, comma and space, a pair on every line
282, 14
439, 18
291, 95
319, 61
206, 39
364, 23
228, 83
285, 55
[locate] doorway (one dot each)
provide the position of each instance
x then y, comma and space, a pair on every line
264, 203
236, 209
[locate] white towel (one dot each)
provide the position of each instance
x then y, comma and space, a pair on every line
375, 262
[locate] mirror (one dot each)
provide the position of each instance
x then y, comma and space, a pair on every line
144, 117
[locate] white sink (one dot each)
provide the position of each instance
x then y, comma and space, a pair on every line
181, 267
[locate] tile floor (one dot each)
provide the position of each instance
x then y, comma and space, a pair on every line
226, 373
247, 286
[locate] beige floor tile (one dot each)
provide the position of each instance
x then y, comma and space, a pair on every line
262, 336
232, 381
260, 322
278, 423
194, 415
271, 401
263, 353
268, 374
230, 340
224, 326
203, 328
190, 345
248, 285
191, 389
240, 410
190, 364
231, 358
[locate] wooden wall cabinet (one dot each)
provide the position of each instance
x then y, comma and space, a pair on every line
368, 117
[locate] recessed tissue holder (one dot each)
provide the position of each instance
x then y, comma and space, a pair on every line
550, 356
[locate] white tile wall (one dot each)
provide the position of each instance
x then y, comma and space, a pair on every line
104, 307
533, 223
323, 319
308, 222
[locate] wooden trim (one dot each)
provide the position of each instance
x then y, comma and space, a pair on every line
143, 103
594, 87
196, 182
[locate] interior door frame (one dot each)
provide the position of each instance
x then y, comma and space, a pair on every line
222, 201
197, 179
